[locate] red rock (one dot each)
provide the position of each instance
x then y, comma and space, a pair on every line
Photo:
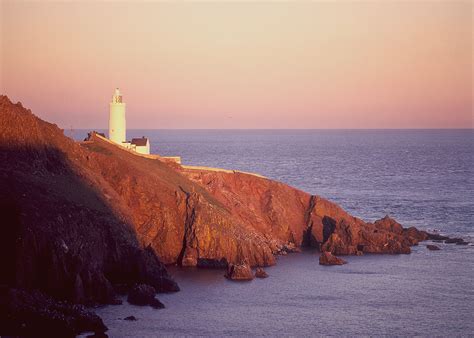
327, 258
240, 272
117, 201
260, 273
65, 230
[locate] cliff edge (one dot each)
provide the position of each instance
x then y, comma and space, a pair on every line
81, 218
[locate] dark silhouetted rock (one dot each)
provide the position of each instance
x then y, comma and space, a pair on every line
453, 240
433, 247
327, 258
260, 273
98, 335
239, 272
152, 272
436, 237
32, 313
66, 231
212, 263
132, 318
143, 294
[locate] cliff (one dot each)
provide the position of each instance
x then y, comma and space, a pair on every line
78, 218
208, 218
59, 231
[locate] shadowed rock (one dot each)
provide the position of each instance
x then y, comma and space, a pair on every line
433, 247
143, 294
65, 231
30, 313
260, 273
327, 258
453, 240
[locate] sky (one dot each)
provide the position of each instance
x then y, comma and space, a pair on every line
329, 64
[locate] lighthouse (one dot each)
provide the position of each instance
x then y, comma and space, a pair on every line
117, 125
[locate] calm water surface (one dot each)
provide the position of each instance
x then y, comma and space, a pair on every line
421, 177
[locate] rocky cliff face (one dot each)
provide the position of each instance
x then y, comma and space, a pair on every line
77, 217
61, 233
190, 217
211, 219
284, 216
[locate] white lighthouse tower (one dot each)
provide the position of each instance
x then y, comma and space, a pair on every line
117, 125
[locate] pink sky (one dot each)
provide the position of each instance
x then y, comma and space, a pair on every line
331, 64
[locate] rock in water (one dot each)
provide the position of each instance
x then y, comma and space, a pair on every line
327, 258
32, 313
239, 272
454, 240
433, 247
260, 273
143, 294
132, 318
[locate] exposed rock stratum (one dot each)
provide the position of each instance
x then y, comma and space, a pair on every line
79, 218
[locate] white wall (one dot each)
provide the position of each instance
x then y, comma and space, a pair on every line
117, 124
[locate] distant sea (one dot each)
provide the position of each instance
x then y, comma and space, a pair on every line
422, 178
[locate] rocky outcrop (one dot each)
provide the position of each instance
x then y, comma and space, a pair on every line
453, 240
260, 273
31, 313
288, 218
143, 294
64, 230
239, 272
78, 219
327, 258
204, 218
341, 234
448, 240
432, 247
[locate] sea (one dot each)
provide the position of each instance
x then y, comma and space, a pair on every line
422, 178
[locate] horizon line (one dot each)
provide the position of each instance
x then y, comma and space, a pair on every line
414, 128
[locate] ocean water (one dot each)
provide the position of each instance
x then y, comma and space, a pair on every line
423, 178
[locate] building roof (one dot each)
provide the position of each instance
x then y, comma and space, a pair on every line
140, 142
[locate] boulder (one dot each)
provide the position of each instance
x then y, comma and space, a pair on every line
328, 258
454, 240
131, 318
433, 247
260, 273
239, 272
30, 313
437, 237
143, 294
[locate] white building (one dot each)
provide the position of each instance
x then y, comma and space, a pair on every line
117, 124
118, 127
141, 145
